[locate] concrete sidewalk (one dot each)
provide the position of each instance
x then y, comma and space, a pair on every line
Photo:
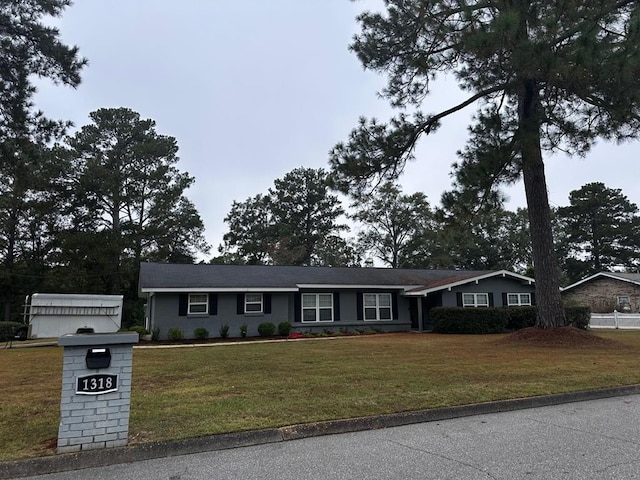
139, 453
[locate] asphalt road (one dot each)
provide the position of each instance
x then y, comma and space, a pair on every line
598, 439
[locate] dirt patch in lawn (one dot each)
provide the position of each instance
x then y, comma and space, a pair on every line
559, 337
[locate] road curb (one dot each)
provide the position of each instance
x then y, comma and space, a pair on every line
150, 451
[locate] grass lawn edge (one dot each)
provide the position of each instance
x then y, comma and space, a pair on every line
149, 451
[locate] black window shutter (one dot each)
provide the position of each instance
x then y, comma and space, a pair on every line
297, 307
266, 297
491, 299
213, 304
394, 305
336, 306
533, 298
505, 302
359, 306
240, 304
183, 304
459, 299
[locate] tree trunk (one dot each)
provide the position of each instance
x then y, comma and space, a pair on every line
115, 280
9, 261
549, 302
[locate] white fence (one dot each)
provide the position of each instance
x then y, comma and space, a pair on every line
627, 321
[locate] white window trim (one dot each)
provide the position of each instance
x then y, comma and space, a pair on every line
317, 308
377, 307
251, 312
626, 305
520, 303
205, 303
475, 300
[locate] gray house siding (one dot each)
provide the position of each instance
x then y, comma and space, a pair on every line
495, 287
167, 315
350, 316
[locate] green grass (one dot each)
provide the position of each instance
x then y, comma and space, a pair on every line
188, 392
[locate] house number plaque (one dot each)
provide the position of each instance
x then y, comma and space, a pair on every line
96, 384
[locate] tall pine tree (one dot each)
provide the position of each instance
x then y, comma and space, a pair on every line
600, 228
28, 48
544, 75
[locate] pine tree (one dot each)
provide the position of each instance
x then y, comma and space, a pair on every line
28, 48
127, 195
545, 75
599, 227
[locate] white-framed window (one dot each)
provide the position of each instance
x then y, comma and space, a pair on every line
475, 299
253, 303
377, 306
518, 299
198, 303
317, 307
624, 302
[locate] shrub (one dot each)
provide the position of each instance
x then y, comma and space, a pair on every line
284, 328
155, 334
266, 329
243, 330
224, 330
578, 317
175, 334
8, 330
139, 329
201, 333
520, 317
468, 320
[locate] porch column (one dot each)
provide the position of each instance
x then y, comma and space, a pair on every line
420, 320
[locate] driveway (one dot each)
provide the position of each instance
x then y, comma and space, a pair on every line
597, 439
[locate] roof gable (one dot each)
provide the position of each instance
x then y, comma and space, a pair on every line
623, 277
428, 288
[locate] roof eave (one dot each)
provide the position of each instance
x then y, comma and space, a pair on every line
217, 289
337, 286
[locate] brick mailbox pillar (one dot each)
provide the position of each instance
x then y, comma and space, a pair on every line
96, 390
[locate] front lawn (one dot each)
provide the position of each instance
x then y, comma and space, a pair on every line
187, 392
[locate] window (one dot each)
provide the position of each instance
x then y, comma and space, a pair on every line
253, 303
518, 299
198, 303
475, 299
624, 302
317, 307
377, 306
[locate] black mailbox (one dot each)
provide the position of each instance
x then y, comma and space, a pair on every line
98, 358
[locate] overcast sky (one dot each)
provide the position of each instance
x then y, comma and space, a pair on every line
252, 89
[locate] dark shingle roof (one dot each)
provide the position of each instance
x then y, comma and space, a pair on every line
160, 276
631, 277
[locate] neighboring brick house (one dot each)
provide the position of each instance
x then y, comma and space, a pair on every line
605, 292
187, 296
